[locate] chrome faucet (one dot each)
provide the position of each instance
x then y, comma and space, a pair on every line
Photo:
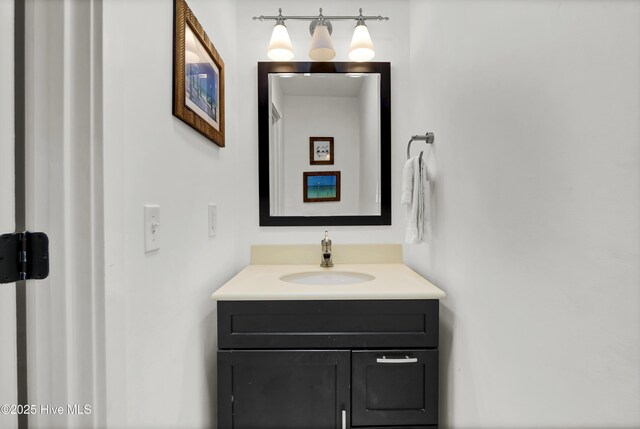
326, 261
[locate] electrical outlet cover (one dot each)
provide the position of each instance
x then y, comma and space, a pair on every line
213, 220
151, 228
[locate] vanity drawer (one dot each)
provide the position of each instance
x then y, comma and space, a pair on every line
394, 388
328, 324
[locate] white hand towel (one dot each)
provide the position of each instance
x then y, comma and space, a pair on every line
425, 193
416, 196
412, 233
407, 182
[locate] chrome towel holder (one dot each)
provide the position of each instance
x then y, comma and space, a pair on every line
429, 138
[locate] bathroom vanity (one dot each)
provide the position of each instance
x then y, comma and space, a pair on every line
354, 346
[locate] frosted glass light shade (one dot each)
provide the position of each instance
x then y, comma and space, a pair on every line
361, 45
321, 45
280, 48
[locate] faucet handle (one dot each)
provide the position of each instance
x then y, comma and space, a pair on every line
326, 251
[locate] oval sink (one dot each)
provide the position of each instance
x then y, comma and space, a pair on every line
327, 278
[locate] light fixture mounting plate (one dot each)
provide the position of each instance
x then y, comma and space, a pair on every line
314, 24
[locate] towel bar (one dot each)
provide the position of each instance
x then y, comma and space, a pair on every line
428, 138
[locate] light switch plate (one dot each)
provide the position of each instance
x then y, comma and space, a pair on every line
151, 228
213, 220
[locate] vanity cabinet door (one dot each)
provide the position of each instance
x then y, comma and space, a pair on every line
283, 389
394, 388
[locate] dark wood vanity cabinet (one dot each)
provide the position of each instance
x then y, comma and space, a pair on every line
286, 389
394, 387
328, 364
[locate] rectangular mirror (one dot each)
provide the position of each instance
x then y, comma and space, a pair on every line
324, 143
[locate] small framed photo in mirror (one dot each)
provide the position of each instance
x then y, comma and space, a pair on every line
321, 151
321, 186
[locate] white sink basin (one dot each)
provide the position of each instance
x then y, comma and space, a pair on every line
327, 278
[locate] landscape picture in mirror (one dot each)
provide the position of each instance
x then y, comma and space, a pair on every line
319, 186
334, 118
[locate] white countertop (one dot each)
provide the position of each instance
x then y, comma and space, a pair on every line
262, 283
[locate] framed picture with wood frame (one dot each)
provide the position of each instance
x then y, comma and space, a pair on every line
198, 76
321, 151
319, 186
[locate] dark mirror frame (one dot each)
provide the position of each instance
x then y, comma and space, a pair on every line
384, 69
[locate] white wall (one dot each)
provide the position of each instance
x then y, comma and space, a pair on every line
391, 40
62, 190
337, 117
535, 109
7, 215
369, 101
276, 148
160, 321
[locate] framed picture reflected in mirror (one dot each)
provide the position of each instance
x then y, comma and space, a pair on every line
321, 151
319, 186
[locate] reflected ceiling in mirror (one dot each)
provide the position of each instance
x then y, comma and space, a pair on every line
324, 144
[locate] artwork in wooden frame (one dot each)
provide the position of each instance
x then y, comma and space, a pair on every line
321, 151
198, 76
319, 186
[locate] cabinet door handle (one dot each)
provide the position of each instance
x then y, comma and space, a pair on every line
344, 419
405, 359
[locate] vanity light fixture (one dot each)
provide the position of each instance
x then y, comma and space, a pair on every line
361, 49
321, 44
280, 48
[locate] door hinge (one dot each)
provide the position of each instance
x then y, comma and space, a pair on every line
24, 256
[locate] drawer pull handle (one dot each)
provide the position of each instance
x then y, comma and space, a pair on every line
344, 419
405, 359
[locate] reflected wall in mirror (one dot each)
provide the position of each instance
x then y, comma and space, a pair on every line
349, 105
